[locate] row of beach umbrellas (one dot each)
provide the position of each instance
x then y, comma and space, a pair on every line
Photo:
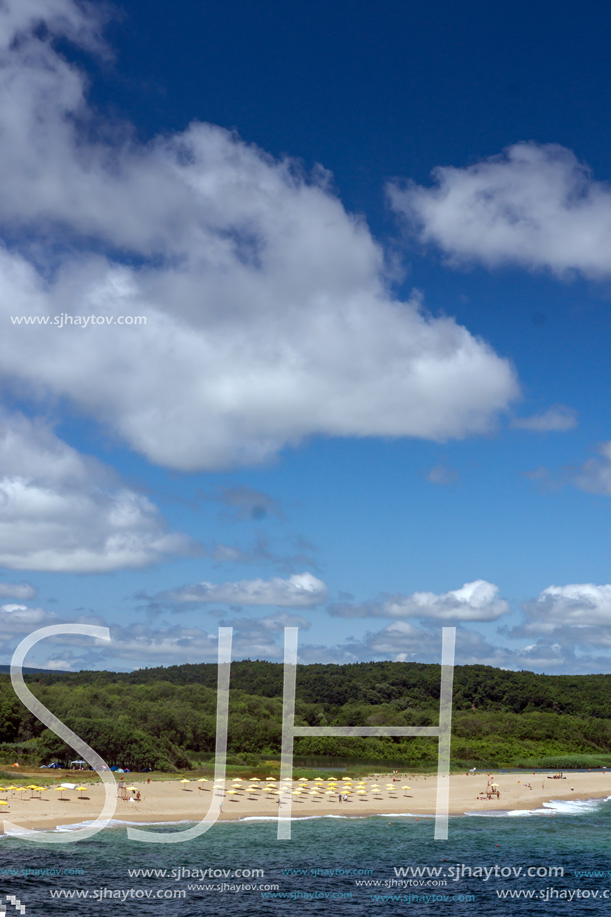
313, 787
34, 788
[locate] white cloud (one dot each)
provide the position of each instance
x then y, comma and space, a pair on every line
19, 620
65, 512
267, 304
403, 641
442, 475
577, 605
594, 476
17, 590
535, 206
568, 623
557, 419
476, 601
301, 590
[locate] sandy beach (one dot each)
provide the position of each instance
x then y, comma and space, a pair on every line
173, 800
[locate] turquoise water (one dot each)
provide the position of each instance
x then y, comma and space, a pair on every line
571, 837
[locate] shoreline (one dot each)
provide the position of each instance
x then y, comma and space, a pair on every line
172, 801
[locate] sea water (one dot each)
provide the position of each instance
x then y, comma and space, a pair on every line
384, 864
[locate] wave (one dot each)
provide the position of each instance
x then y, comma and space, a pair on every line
575, 806
297, 817
553, 807
113, 823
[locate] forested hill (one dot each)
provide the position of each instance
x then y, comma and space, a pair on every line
406, 684
166, 717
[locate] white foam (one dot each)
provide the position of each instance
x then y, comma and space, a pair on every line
559, 806
113, 823
403, 815
297, 817
575, 806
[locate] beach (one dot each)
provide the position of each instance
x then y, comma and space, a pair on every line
184, 799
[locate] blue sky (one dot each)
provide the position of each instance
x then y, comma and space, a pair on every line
371, 245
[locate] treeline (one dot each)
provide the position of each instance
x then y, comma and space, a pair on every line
164, 718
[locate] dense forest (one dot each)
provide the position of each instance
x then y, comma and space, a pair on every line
164, 718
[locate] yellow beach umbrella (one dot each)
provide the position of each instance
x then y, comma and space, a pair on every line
83, 789
59, 789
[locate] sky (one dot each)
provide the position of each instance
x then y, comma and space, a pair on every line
305, 314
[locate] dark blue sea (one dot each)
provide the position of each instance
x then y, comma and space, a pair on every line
542, 863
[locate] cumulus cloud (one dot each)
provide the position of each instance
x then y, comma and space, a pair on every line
17, 591
569, 629
477, 601
577, 605
64, 512
266, 302
402, 641
557, 419
535, 206
594, 476
301, 590
17, 621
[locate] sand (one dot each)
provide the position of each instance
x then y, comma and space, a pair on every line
171, 800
